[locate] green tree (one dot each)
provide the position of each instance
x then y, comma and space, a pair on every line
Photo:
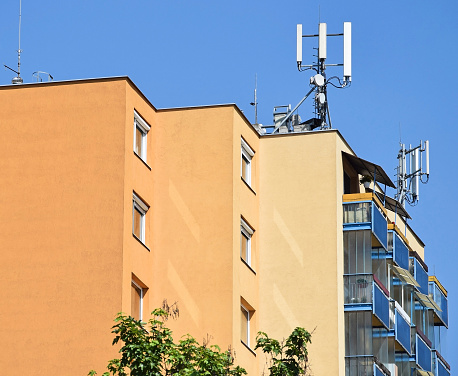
289, 357
148, 349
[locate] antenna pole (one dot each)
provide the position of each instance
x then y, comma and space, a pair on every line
19, 48
255, 99
18, 79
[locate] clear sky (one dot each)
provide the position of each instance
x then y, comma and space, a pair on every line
200, 52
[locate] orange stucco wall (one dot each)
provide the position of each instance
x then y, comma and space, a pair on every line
61, 213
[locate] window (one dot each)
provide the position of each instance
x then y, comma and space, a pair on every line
137, 293
245, 325
141, 129
247, 155
139, 209
246, 233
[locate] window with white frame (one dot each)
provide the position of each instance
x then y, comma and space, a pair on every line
137, 293
141, 129
139, 209
245, 325
246, 232
246, 159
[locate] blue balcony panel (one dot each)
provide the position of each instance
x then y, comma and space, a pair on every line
402, 331
421, 276
381, 306
441, 370
400, 252
379, 226
441, 300
423, 354
440, 366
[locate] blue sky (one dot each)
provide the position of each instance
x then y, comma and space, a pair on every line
199, 52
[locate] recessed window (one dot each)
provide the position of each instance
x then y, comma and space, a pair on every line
245, 326
246, 159
139, 209
141, 129
136, 301
246, 232
247, 313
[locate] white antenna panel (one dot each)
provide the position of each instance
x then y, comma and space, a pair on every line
415, 168
347, 51
299, 43
427, 157
322, 41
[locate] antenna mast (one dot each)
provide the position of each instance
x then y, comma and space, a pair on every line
255, 103
318, 82
18, 79
19, 47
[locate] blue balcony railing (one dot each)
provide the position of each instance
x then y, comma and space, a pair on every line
441, 300
402, 331
422, 354
400, 252
379, 226
420, 275
381, 305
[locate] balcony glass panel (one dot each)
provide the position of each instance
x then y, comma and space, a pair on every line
359, 366
402, 331
441, 301
400, 252
358, 289
357, 213
420, 275
358, 333
423, 354
379, 226
381, 307
357, 252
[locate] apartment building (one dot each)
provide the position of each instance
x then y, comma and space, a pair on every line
110, 205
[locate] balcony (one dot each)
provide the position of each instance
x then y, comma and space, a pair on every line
440, 366
366, 290
365, 211
439, 295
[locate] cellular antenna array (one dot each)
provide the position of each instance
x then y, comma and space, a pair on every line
318, 83
409, 175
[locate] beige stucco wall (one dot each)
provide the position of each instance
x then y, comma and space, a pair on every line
301, 186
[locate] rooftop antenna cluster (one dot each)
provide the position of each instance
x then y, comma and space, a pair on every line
283, 115
410, 172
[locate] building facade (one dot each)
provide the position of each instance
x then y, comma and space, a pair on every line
110, 205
